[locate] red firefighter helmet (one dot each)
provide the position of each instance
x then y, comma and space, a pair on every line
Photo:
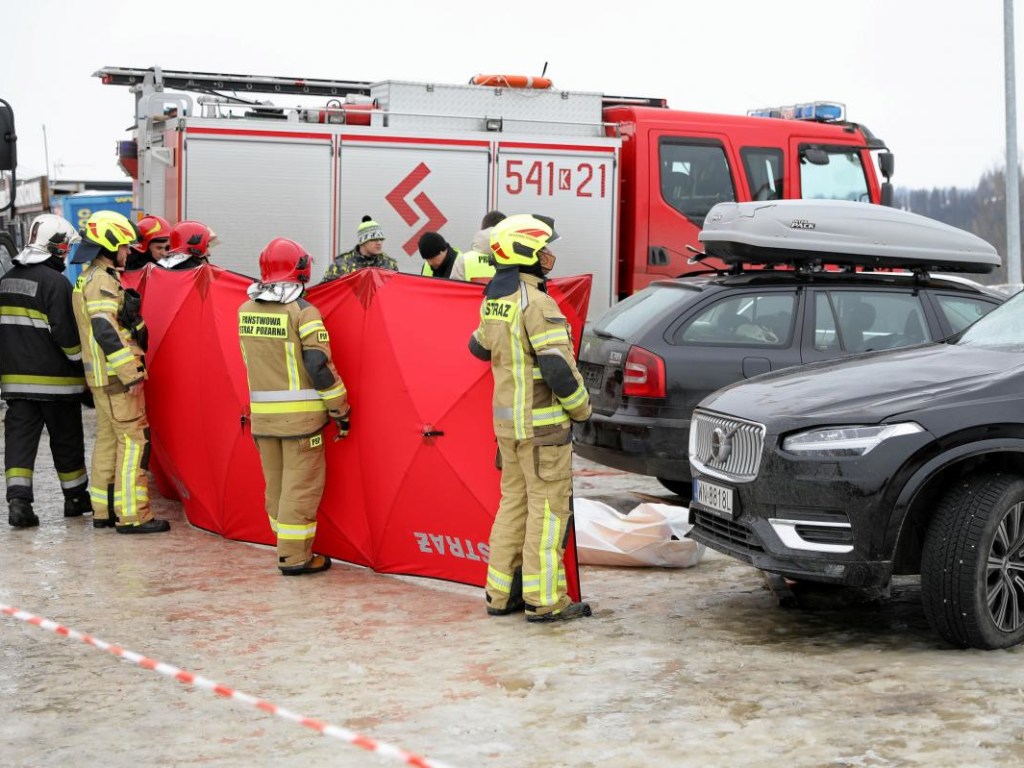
151, 227
285, 261
191, 237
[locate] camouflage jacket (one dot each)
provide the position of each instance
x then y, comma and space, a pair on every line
350, 261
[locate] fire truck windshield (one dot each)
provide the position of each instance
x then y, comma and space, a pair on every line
833, 173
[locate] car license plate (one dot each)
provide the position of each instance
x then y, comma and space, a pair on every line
716, 498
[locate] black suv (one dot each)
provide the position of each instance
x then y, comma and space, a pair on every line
900, 462
650, 359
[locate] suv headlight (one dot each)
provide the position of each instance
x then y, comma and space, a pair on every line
846, 441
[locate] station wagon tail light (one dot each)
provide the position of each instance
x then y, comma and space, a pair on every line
846, 441
644, 374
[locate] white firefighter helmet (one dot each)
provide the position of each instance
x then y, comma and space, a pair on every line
49, 235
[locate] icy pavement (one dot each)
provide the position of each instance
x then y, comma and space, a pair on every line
693, 667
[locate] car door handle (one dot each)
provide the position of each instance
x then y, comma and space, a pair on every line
755, 366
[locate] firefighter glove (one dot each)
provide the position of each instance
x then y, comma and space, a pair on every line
141, 335
343, 423
87, 398
130, 312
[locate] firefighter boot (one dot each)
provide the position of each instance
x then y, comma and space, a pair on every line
21, 514
77, 505
150, 526
515, 602
315, 564
111, 520
570, 612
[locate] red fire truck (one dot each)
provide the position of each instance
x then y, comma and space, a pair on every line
627, 179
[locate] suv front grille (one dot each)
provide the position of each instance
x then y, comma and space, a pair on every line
726, 447
726, 531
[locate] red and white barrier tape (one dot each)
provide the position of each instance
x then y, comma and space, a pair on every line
188, 678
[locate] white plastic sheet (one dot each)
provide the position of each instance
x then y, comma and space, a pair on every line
650, 535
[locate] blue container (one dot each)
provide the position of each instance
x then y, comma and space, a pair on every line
79, 207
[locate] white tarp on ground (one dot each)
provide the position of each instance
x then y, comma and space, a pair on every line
650, 534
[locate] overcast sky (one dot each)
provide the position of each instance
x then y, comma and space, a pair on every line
924, 75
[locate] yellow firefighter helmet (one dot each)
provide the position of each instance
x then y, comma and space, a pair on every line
518, 240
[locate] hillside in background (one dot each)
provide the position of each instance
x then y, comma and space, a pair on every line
981, 210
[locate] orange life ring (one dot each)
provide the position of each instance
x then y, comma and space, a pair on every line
511, 81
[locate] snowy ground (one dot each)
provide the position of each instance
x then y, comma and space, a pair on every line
694, 667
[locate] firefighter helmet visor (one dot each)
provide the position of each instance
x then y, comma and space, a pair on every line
517, 241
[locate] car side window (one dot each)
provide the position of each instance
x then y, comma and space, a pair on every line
826, 337
694, 177
860, 321
961, 311
751, 319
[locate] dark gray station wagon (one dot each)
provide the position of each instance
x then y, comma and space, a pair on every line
650, 359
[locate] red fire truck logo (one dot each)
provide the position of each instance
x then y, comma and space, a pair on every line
398, 197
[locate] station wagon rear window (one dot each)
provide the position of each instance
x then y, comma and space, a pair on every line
627, 317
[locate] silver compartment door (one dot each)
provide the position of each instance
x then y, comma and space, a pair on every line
412, 187
253, 187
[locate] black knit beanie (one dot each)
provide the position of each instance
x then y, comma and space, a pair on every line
431, 244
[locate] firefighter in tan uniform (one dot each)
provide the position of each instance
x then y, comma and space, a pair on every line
113, 337
293, 389
537, 391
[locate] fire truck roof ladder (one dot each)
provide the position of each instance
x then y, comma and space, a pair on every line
633, 101
157, 79
205, 82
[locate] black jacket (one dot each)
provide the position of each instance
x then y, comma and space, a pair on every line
40, 352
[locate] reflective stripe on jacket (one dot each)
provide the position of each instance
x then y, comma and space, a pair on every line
40, 352
292, 380
517, 329
110, 354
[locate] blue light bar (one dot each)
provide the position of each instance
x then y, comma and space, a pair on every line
821, 111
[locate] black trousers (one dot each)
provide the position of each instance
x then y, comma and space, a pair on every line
23, 426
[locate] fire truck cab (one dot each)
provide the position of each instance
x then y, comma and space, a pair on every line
677, 165
627, 180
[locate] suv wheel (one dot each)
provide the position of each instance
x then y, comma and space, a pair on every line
681, 488
972, 567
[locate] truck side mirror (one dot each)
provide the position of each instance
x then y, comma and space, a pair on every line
814, 155
887, 194
885, 163
8, 147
